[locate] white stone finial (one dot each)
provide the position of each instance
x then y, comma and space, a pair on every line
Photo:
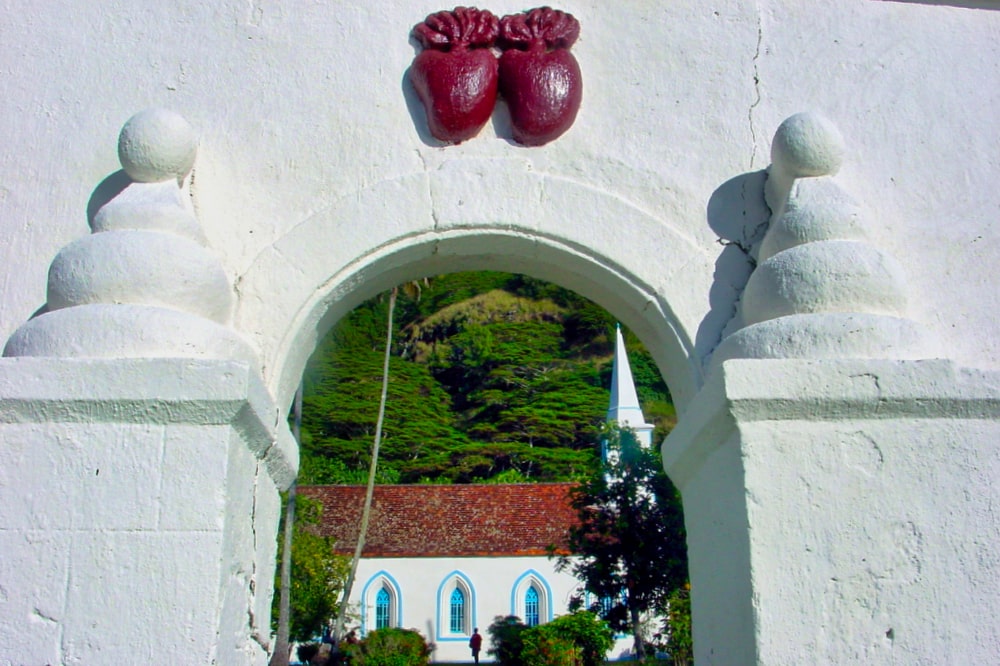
156, 145
805, 145
144, 283
820, 210
821, 290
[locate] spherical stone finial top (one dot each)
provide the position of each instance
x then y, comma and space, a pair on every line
807, 144
156, 145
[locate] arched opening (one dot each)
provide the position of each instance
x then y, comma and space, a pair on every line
381, 603
635, 304
531, 599
653, 277
456, 602
346, 374
654, 288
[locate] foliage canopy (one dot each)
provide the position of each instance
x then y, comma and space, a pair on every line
317, 574
629, 546
494, 377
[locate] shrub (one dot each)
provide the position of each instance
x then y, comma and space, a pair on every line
506, 643
586, 631
679, 643
306, 651
390, 647
543, 646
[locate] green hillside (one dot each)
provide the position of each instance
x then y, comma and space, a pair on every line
495, 377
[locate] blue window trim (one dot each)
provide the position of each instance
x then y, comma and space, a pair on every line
516, 594
443, 618
384, 577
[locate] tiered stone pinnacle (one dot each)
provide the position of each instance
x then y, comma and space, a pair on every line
144, 283
821, 289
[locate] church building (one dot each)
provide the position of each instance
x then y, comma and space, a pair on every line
447, 559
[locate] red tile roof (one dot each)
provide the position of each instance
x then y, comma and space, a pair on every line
448, 520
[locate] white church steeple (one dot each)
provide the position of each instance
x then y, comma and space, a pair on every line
624, 409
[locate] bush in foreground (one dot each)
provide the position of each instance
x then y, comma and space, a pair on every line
578, 639
586, 631
390, 647
506, 643
543, 646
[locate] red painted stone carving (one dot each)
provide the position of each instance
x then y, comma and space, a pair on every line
539, 77
455, 75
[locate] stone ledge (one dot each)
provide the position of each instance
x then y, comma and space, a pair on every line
753, 390
150, 391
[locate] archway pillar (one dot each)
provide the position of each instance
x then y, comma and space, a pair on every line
140, 526
828, 504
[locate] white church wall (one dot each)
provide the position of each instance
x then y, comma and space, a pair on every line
497, 585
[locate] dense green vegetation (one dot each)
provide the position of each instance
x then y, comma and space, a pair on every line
578, 639
495, 377
317, 574
629, 546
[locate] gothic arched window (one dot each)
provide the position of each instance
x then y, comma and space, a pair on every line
383, 601
457, 612
531, 606
456, 602
531, 599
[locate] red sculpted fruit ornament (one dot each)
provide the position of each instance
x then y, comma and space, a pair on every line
455, 75
539, 77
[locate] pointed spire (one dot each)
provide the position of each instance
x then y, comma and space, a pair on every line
624, 407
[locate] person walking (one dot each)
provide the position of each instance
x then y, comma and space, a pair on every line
476, 643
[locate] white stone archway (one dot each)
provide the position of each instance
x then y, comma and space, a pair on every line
839, 485
649, 274
162, 415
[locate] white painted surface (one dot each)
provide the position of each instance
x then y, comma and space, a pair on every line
138, 511
315, 186
302, 114
623, 405
493, 582
868, 489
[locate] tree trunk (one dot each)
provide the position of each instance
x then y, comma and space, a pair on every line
369, 493
282, 649
637, 630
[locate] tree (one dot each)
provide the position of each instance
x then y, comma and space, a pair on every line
678, 627
629, 546
492, 374
316, 576
366, 510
